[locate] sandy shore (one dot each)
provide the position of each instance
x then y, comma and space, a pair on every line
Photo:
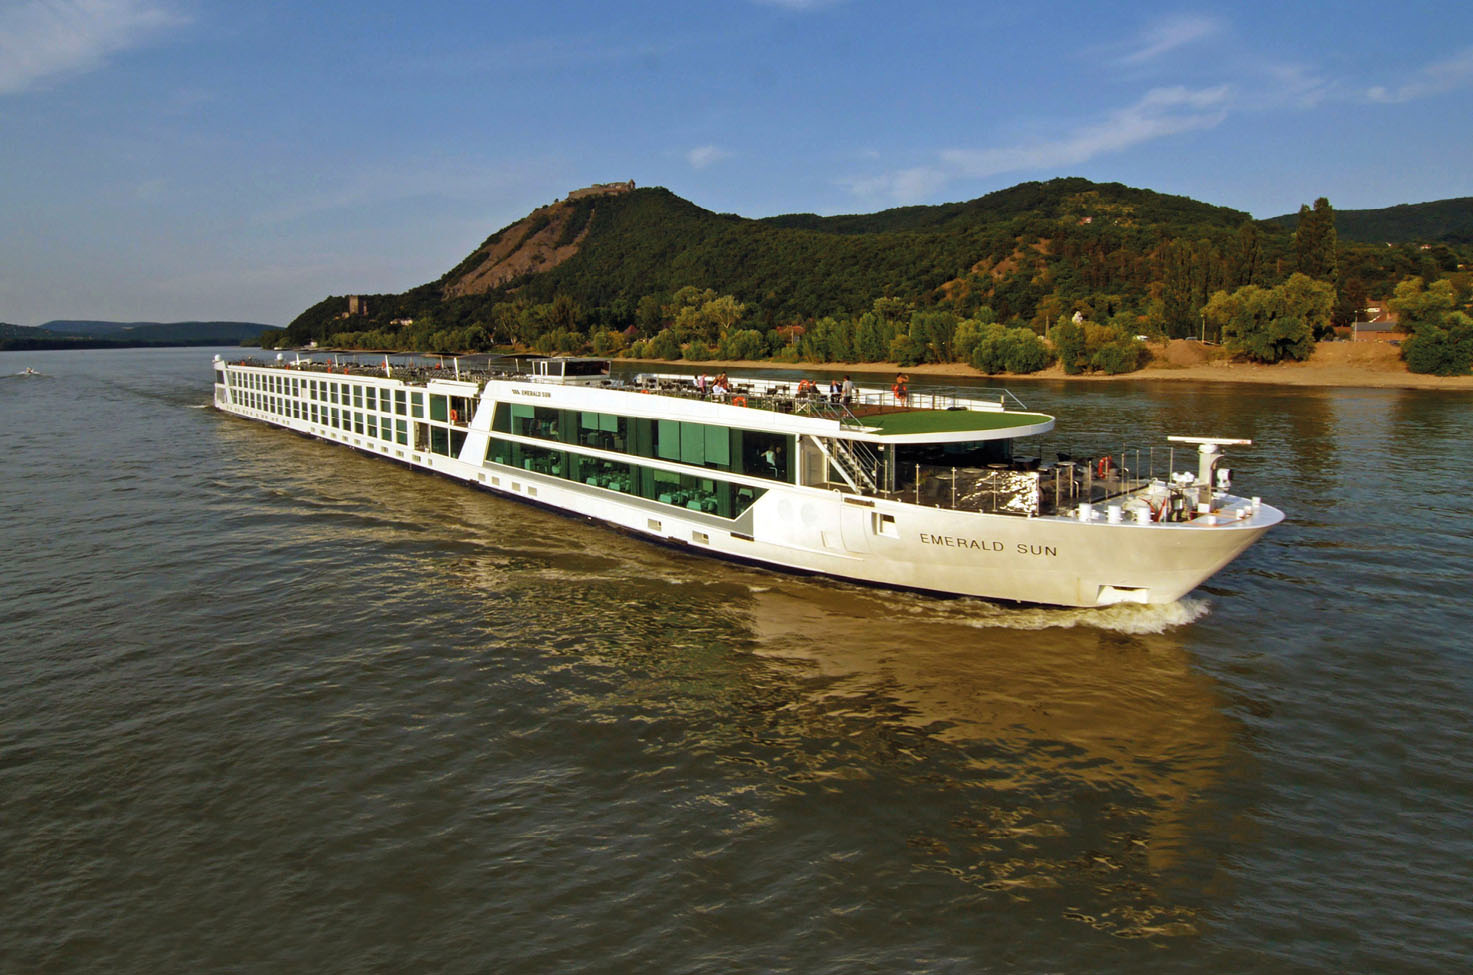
1344, 364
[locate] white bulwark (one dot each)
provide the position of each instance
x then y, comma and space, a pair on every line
917, 490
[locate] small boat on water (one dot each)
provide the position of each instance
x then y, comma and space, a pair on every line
906, 488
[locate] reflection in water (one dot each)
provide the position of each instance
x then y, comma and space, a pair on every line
1066, 757
1040, 702
1057, 756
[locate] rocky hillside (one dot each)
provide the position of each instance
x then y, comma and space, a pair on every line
537, 243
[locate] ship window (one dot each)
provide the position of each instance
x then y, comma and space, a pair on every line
707, 495
399, 401
884, 524
372, 397
439, 408
440, 440
372, 425
417, 405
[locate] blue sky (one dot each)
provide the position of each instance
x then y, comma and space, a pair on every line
178, 159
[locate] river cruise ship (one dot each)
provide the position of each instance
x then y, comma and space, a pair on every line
916, 489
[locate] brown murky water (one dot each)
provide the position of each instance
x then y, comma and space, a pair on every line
268, 705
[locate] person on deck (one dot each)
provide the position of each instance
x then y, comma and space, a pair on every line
900, 388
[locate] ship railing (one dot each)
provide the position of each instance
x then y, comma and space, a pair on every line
775, 395
1022, 487
789, 396
989, 398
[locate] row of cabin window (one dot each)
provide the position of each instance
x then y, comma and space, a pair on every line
436, 439
755, 453
345, 394
693, 492
444, 408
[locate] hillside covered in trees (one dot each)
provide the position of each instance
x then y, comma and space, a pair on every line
1440, 222
616, 269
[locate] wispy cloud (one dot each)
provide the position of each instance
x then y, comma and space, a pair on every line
1160, 113
703, 156
799, 4
42, 39
1168, 35
1440, 76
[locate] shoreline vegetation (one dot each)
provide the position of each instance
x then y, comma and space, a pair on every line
1370, 365
1351, 365
1046, 279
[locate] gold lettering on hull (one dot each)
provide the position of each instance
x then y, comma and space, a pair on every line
988, 545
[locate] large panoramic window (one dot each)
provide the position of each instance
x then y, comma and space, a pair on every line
709, 495
755, 453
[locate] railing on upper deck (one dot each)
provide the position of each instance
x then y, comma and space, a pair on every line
1027, 487
774, 395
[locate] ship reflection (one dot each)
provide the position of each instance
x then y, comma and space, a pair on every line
1039, 701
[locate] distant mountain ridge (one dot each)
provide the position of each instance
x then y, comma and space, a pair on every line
1439, 222
69, 333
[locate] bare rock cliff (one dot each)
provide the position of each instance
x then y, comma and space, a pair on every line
540, 241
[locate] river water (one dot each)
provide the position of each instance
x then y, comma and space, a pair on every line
269, 705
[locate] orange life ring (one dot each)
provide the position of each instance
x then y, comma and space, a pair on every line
738, 401
1102, 469
454, 416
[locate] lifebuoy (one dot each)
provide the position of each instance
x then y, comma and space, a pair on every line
1102, 469
454, 416
738, 401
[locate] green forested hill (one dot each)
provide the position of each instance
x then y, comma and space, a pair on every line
1444, 221
1056, 199
627, 261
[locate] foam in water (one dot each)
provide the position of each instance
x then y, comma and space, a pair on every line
1130, 618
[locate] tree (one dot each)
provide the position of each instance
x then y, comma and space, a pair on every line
1315, 243
1247, 257
1179, 290
1441, 342
564, 313
725, 311
1069, 346
1272, 324
1442, 350
1419, 306
664, 346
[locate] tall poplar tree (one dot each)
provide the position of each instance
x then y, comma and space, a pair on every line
1315, 242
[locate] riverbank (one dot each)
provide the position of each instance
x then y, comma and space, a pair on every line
1373, 365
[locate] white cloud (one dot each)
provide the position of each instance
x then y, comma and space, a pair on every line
1171, 34
41, 39
1160, 113
703, 156
1440, 76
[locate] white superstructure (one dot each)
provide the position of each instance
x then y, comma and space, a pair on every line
921, 492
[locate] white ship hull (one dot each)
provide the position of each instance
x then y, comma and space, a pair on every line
1050, 559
